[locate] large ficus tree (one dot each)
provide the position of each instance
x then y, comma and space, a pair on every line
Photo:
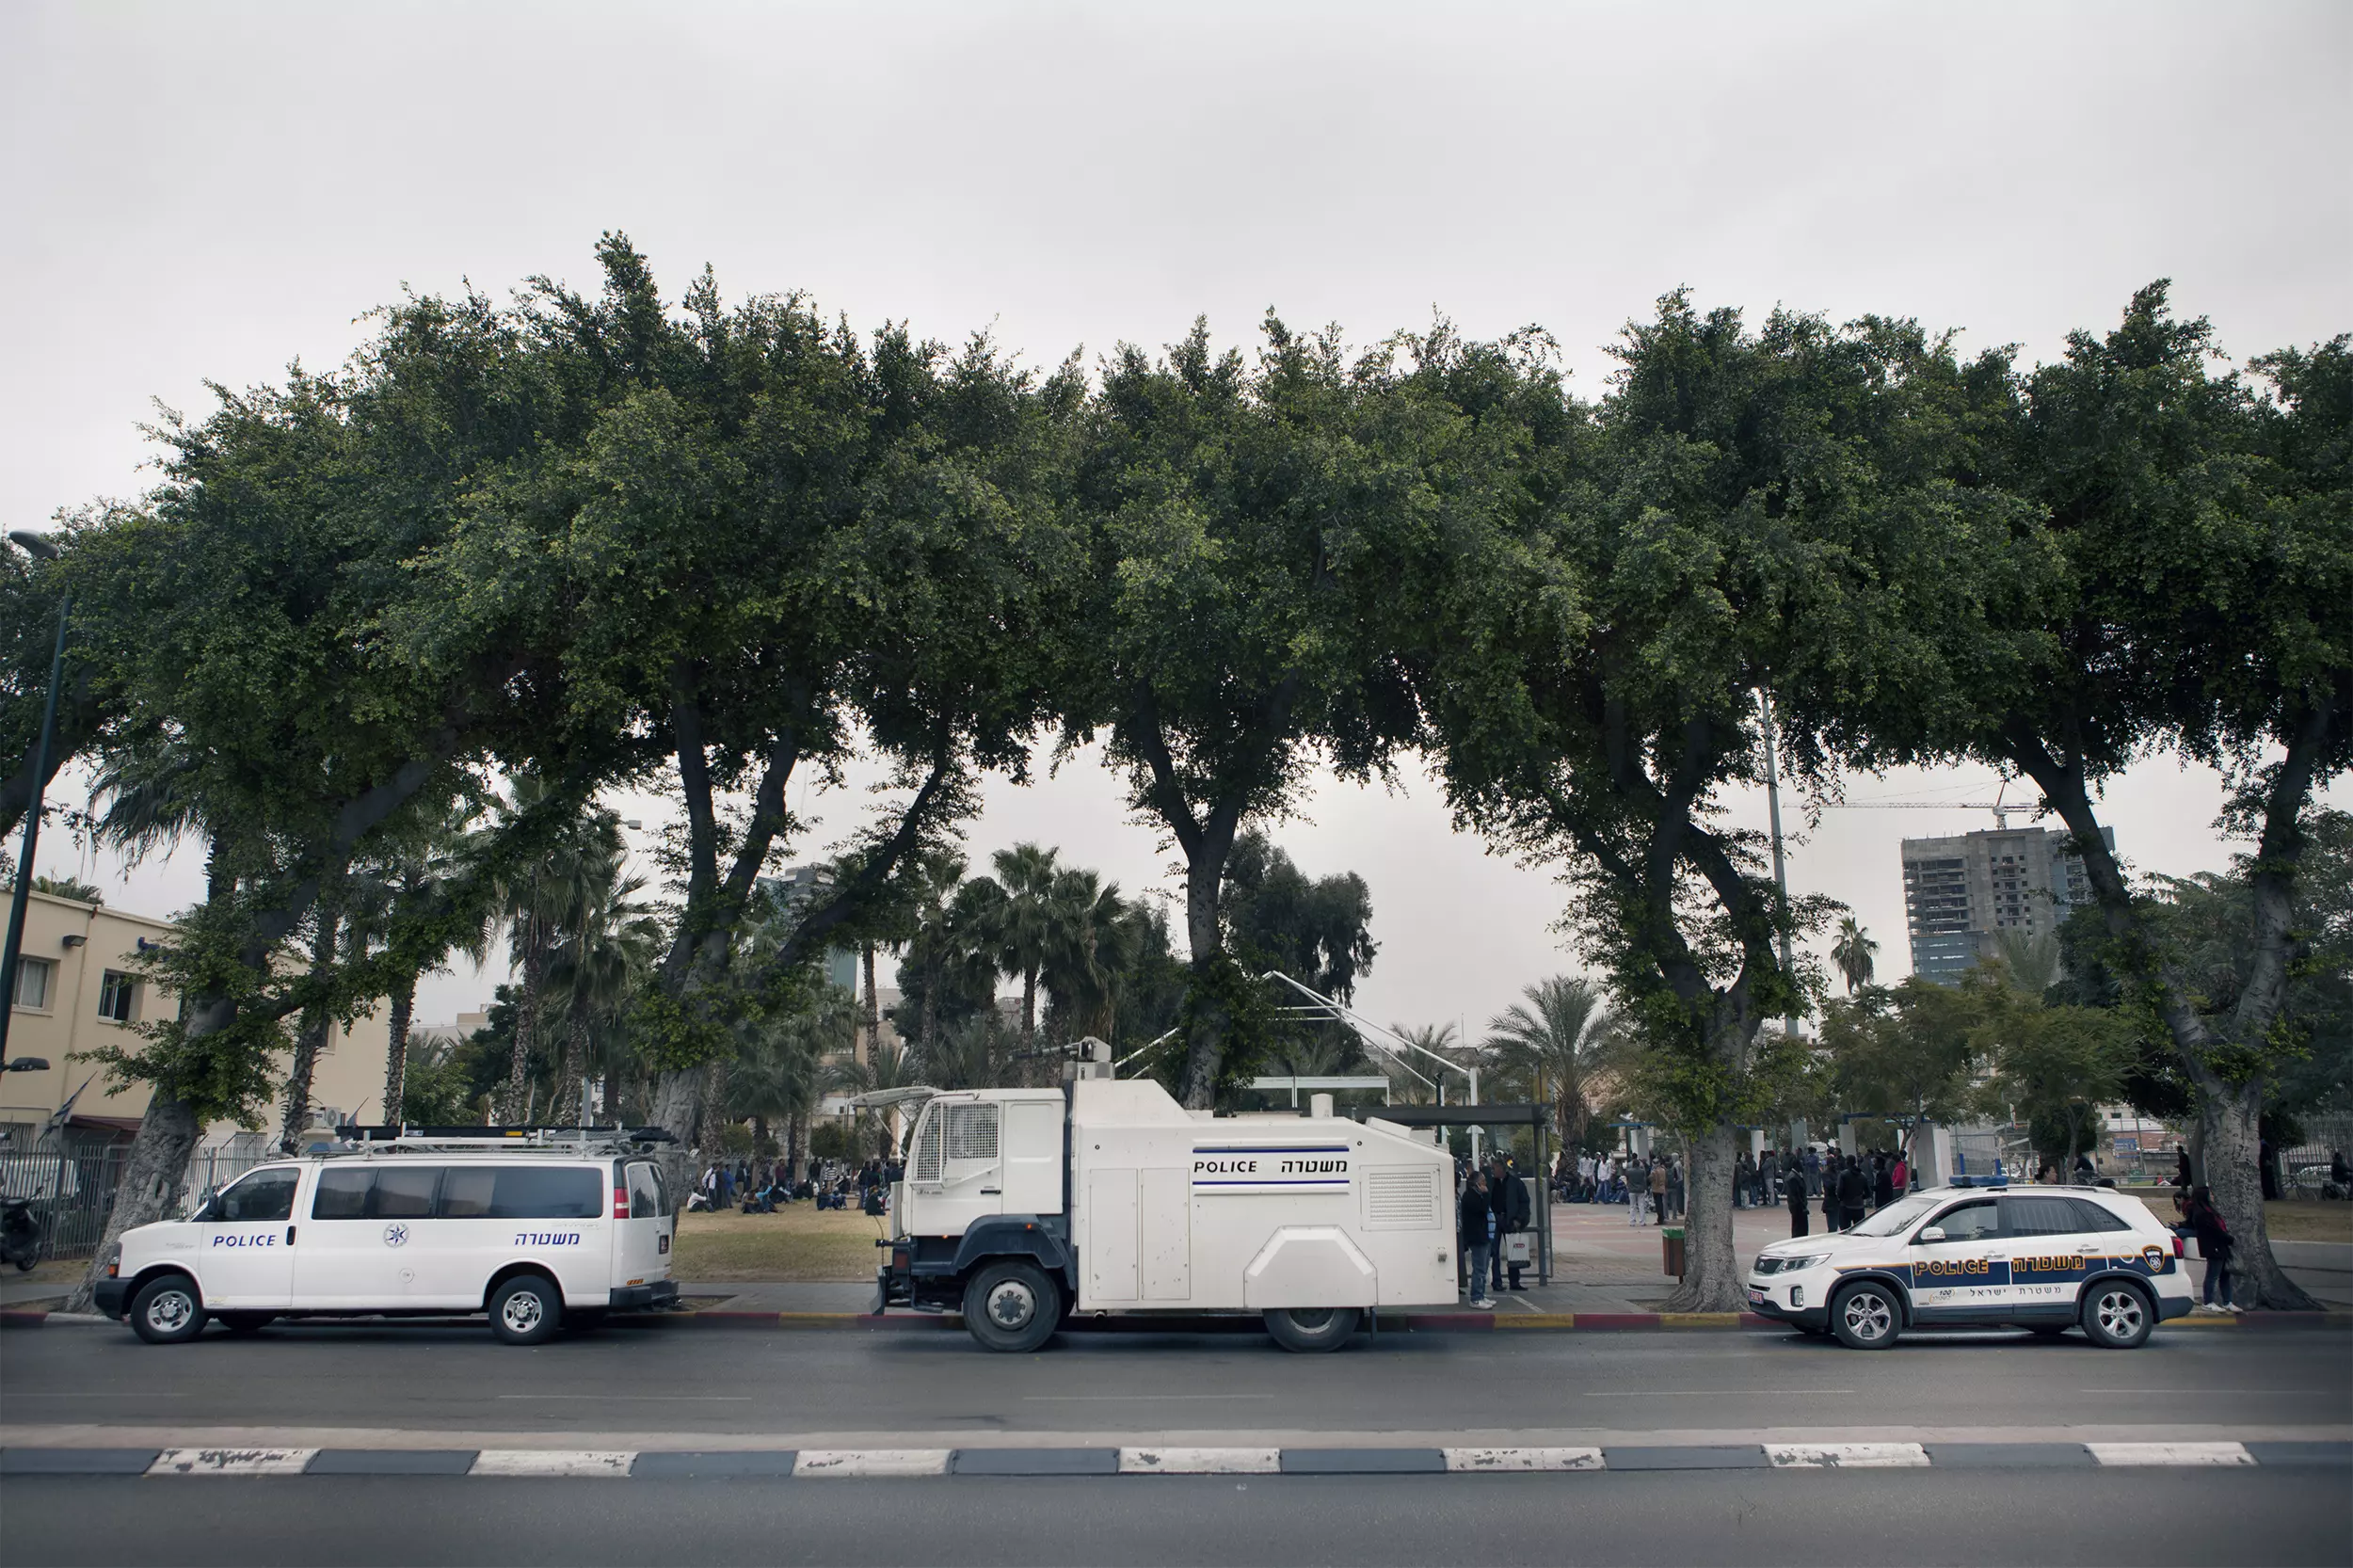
233, 626
2203, 536
1748, 517
1253, 528
776, 548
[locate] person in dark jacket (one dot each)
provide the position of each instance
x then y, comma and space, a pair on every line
1882, 1181
2213, 1245
1831, 1164
1854, 1193
2180, 1168
1473, 1230
1793, 1189
1508, 1197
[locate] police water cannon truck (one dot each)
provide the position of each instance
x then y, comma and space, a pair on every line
1020, 1208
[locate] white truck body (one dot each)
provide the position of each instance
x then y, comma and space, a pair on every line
1141, 1205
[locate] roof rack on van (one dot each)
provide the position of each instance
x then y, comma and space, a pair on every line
498, 1139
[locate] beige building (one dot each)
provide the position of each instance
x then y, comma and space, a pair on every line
78, 990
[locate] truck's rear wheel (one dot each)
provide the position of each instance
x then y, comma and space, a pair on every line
1011, 1306
1311, 1328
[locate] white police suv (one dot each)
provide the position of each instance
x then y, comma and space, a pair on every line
2048, 1259
520, 1230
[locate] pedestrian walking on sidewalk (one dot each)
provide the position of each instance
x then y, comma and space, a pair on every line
1795, 1188
1474, 1230
1854, 1193
1658, 1189
1637, 1191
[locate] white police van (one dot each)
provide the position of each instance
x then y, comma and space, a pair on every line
536, 1230
2048, 1259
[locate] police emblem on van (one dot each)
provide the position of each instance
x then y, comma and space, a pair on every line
396, 1235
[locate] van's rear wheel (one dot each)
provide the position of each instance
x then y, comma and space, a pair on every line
1011, 1306
168, 1310
526, 1310
1311, 1328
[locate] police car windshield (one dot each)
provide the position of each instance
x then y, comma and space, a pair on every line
1896, 1217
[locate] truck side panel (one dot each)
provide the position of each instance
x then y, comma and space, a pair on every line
1167, 1237
1109, 1244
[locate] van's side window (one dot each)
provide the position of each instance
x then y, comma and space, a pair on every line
522, 1193
391, 1193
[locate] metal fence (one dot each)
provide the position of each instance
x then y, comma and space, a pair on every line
2304, 1170
71, 1194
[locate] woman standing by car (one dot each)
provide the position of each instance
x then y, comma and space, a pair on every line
2213, 1245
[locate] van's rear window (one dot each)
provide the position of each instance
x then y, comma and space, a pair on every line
522, 1193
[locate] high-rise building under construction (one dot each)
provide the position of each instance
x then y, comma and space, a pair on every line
1961, 893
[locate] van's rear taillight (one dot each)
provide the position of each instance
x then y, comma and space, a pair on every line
621, 1202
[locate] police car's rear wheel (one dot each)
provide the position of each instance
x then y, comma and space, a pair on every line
2117, 1315
1311, 1328
525, 1310
167, 1311
1011, 1306
1866, 1316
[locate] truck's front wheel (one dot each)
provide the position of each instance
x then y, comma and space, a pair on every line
1318, 1328
1011, 1306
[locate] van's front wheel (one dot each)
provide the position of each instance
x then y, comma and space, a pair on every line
1311, 1328
1011, 1306
526, 1310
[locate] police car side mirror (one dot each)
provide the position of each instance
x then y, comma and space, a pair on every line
1934, 1233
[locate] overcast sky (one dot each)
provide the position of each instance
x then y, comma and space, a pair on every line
206, 192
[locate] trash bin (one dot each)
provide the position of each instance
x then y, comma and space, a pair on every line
1671, 1248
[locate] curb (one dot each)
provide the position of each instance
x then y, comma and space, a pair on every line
1413, 1323
877, 1464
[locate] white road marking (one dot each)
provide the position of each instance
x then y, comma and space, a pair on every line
552, 1462
659, 1398
814, 1463
1112, 1398
1697, 1393
1200, 1461
231, 1462
1845, 1456
2170, 1453
1523, 1459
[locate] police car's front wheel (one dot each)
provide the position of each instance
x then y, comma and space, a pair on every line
1867, 1317
526, 1310
2117, 1315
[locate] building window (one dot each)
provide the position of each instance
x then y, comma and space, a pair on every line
33, 978
118, 997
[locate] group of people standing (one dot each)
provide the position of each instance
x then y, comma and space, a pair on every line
1850, 1185
1492, 1206
1650, 1188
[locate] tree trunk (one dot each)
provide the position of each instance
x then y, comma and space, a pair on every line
316, 1021
929, 1032
526, 1015
1711, 1269
678, 1109
1029, 1010
2228, 1125
152, 1176
873, 1002
396, 1049
570, 1106
1205, 1047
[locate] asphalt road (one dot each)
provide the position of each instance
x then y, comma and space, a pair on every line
630, 1382
1749, 1518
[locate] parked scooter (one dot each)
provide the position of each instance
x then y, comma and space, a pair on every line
20, 1233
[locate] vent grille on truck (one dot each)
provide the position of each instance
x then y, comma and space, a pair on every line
1400, 1197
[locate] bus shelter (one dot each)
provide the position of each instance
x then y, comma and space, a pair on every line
1537, 1116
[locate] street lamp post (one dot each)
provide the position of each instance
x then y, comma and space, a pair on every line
32, 544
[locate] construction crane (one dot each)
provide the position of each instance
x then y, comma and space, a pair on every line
2000, 807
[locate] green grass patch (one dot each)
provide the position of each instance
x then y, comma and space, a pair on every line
796, 1244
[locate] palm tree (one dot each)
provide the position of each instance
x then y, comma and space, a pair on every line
415, 876
1439, 1040
1019, 932
606, 947
887, 1067
2032, 958
971, 1053
1559, 1037
775, 1077
1853, 953
537, 905
940, 943
1086, 925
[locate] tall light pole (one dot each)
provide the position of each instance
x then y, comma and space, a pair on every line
32, 544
